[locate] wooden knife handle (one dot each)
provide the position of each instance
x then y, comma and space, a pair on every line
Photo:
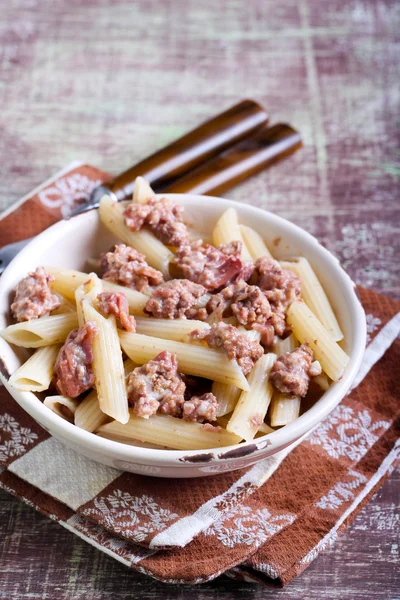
206, 141
251, 155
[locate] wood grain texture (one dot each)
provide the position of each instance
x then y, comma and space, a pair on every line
110, 82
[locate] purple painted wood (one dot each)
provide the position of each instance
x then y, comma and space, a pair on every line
112, 82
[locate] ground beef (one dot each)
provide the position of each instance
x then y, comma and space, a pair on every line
33, 297
163, 217
126, 266
157, 385
281, 286
275, 325
246, 302
267, 333
73, 368
176, 299
201, 408
236, 345
116, 303
278, 320
247, 271
250, 306
292, 371
209, 266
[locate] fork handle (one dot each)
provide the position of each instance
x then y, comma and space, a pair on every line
164, 167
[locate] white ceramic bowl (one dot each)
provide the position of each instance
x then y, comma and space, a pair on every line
69, 243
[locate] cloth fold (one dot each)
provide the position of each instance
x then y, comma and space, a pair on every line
265, 522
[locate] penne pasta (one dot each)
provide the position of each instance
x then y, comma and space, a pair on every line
169, 329
314, 295
130, 442
308, 329
67, 280
157, 255
253, 404
227, 230
193, 359
88, 415
63, 406
36, 373
264, 428
164, 430
194, 235
108, 366
203, 301
41, 332
142, 191
129, 365
284, 409
287, 345
67, 306
321, 381
227, 396
80, 293
104, 355
254, 243
252, 334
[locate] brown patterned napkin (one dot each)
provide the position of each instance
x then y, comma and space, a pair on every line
268, 521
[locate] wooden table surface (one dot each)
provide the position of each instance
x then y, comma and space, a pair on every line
109, 82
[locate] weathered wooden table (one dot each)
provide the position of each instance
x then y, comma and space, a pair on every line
109, 82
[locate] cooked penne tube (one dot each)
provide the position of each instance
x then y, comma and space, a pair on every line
63, 406
131, 441
253, 404
227, 396
252, 334
36, 374
314, 295
284, 409
41, 332
164, 430
107, 365
194, 235
142, 191
287, 345
192, 359
203, 301
129, 365
67, 280
169, 329
67, 306
157, 255
88, 415
227, 230
254, 243
264, 428
308, 329
322, 381
80, 293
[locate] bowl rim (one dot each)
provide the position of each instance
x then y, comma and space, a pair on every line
279, 438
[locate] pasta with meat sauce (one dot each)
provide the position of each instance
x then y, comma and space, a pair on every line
177, 333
